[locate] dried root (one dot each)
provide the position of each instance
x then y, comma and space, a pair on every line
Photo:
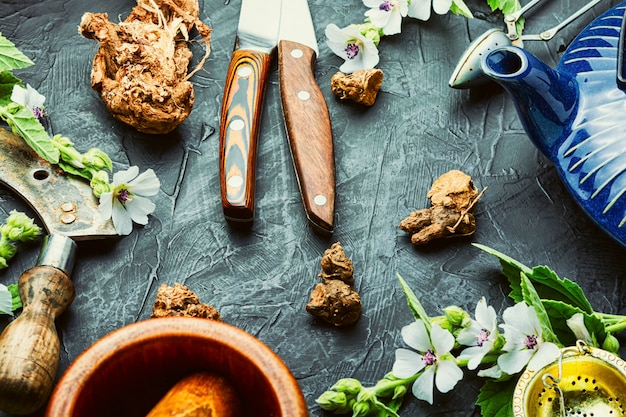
179, 301
140, 69
453, 197
361, 86
335, 300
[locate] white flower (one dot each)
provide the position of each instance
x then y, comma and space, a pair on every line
29, 97
480, 335
420, 9
576, 323
358, 51
126, 202
387, 14
524, 343
6, 300
432, 357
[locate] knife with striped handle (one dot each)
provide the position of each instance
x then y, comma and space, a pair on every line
257, 35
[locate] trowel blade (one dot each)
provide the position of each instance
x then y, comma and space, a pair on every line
65, 205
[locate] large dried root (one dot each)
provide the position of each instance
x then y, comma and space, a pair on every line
140, 69
180, 301
335, 300
361, 86
453, 197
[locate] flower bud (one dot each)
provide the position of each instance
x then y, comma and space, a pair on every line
20, 227
334, 401
97, 159
443, 322
7, 250
347, 385
399, 392
360, 408
611, 344
69, 154
457, 316
100, 183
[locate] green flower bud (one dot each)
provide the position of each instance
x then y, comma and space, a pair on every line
3, 263
457, 316
399, 392
97, 159
443, 322
100, 183
7, 250
360, 408
347, 385
334, 401
20, 227
611, 344
69, 154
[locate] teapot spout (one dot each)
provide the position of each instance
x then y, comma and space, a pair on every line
546, 100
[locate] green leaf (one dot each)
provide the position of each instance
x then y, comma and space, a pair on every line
24, 124
547, 283
459, 8
416, 307
10, 57
7, 81
532, 299
495, 398
560, 312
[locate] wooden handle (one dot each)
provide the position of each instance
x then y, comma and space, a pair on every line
309, 132
239, 130
29, 346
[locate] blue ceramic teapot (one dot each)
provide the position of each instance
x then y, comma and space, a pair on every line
576, 114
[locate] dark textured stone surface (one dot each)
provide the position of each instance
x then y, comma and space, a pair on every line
386, 158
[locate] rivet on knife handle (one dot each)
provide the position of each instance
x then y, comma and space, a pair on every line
309, 132
239, 130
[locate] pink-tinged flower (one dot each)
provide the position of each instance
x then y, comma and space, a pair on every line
524, 343
349, 43
420, 9
126, 202
480, 335
29, 97
433, 359
387, 14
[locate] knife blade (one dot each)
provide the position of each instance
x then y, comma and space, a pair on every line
307, 120
257, 36
29, 345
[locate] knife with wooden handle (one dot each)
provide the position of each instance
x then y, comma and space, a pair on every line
307, 120
257, 36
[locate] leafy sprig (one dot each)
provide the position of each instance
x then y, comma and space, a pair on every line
560, 306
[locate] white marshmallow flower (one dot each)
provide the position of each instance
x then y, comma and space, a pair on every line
358, 51
433, 359
29, 98
524, 342
480, 336
387, 14
126, 201
420, 9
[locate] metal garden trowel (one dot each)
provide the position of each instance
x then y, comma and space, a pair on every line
29, 346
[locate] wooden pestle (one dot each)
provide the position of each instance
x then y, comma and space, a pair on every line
202, 394
29, 346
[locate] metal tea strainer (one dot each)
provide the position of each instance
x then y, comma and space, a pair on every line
584, 382
468, 73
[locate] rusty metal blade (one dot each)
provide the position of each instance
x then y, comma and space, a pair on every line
65, 205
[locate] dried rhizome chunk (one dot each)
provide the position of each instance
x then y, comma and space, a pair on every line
453, 197
334, 300
179, 301
140, 68
360, 86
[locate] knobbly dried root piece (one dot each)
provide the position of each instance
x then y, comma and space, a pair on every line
140, 69
335, 300
336, 265
361, 86
179, 301
453, 197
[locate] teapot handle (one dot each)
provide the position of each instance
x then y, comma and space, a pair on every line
621, 57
